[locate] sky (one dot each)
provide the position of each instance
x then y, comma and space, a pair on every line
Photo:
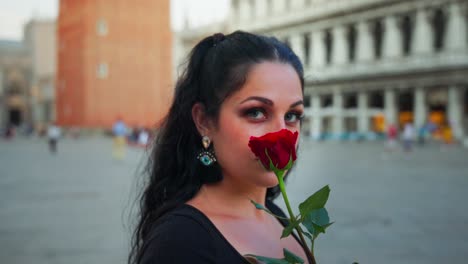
15, 13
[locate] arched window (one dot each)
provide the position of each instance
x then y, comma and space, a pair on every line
328, 46
378, 36
407, 33
351, 43
438, 27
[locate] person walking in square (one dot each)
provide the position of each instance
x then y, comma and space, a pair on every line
53, 135
119, 131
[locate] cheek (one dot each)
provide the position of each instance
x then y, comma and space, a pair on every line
231, 144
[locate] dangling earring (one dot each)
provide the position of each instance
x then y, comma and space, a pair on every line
208, 168
206, 157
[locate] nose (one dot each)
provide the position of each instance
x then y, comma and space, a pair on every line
278, 123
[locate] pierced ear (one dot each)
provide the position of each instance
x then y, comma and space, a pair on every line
201, 120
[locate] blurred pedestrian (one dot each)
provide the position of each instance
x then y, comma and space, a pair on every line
422, 134
447, 135
119, 131
408, 134
143, 137
10, 132
392, 134
53, 135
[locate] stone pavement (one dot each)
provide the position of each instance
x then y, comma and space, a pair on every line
388, 207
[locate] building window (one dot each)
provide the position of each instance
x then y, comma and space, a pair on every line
405, 101
326, 100
407, 33
378, 36
376, 99
307, 101
328, 46
101, 27
306, 48
465, 101
351, 43
350, 101
438, 27
102, 70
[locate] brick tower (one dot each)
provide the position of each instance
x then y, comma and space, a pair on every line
114, 60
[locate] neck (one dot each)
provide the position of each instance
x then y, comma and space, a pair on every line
228, 199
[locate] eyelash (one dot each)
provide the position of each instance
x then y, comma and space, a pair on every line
249, 113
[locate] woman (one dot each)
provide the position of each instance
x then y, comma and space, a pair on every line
196, 207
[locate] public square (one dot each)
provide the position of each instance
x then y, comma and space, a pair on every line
388, 207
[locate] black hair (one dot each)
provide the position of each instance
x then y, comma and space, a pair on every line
217, 66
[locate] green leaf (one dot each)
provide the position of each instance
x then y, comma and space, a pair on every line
291, 258
315, 201
261, 207
317, 221
307, 235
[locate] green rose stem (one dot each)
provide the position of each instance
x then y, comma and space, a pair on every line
279, 175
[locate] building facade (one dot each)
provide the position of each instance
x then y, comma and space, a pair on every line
369, 63
15, 80
114, 60
40, 39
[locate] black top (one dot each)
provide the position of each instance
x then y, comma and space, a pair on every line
186, 235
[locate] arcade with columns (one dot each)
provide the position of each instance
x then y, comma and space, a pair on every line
367, 63
371, 65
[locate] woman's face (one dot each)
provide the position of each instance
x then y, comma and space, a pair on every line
271, 99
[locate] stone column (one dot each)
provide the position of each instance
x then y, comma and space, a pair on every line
339, 45
364, 50
456, 27
316, 124
297, 45
455, 111
423, 35
279, 6
390, 107
391, 38
363, 118
338, 114
297, 4
244, 11
260, 8
420, 109
318, 49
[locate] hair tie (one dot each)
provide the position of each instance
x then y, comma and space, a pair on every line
217, 38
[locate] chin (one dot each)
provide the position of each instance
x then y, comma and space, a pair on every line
269, 179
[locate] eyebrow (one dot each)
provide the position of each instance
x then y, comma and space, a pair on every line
268, 101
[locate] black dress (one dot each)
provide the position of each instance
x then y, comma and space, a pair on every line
186, 235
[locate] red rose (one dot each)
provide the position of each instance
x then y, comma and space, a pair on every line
280, 146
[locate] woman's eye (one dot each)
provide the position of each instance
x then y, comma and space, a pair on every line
292, 117
256, 114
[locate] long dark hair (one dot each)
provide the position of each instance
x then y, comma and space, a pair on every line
217, 66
